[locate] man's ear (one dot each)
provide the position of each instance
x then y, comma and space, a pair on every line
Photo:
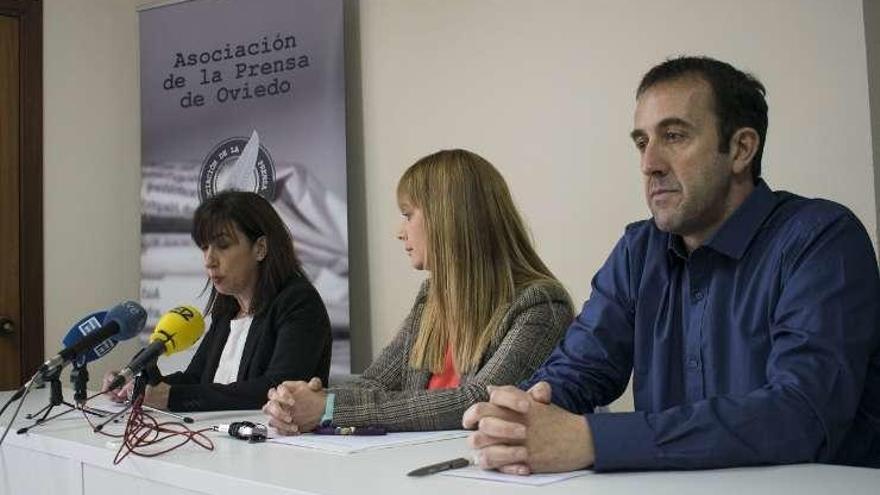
744, 145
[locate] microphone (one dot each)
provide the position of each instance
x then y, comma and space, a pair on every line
88, 341
79, 376
244, 430
177, 330
84, 327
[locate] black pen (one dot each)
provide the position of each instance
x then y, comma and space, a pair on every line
440, 466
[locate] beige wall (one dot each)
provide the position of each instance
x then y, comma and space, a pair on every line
545, 91
542, 89
872, 48
91, 165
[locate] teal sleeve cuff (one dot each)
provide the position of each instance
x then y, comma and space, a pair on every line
327, 418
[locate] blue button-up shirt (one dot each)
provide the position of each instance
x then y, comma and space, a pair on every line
761, 346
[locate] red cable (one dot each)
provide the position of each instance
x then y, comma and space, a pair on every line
143, 431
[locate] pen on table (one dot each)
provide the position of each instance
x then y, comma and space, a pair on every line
440, 466
349, 430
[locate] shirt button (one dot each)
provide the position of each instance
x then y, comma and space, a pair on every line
697, 295
693, 363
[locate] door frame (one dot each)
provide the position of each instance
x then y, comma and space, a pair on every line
30, 16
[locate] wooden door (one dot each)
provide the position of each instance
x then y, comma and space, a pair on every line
21, 191
10, 305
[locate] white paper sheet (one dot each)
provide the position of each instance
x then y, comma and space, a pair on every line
103, 403
474, 472
350, 444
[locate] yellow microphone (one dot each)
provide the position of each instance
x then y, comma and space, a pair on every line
176, 330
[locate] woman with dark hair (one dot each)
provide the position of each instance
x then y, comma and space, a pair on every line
268, 321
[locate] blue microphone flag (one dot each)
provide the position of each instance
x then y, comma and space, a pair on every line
84, 327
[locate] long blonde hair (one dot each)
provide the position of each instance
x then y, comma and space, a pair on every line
478, 251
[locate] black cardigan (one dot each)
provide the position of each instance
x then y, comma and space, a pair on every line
288, 340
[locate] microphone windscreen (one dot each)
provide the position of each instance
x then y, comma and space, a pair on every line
131, 318
83, 327
179, 329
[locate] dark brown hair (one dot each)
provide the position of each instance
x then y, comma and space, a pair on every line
256, 218
738, 97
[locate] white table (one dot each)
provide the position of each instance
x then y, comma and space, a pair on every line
66, 457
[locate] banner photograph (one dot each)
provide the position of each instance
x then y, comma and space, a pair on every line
246, 95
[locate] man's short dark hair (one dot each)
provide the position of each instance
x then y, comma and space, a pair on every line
738, 97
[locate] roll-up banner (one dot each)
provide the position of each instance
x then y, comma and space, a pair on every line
247, 95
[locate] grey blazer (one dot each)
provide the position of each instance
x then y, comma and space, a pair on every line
392, 394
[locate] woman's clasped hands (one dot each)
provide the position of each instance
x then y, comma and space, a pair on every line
296, 406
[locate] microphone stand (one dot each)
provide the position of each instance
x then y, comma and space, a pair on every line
139, 389
151, 375
56, 398
180, 417
79, 376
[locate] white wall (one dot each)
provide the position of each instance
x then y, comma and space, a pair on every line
871, 10
544, 90
91, 164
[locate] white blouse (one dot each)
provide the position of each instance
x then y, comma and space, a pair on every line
227, 369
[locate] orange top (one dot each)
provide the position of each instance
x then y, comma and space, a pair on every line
447, 378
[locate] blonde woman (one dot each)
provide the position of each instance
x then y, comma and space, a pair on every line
489, 313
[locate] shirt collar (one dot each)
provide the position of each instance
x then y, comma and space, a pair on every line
736, 233
675, 247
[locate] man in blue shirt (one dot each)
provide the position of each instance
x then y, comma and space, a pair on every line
749, 319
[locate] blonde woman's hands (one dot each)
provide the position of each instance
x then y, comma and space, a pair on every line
296, 406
